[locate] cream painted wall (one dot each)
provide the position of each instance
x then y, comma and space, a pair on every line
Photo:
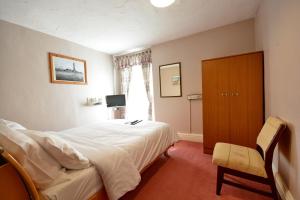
277, 33
228, 40
28, 97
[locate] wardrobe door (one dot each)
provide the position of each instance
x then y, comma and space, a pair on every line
239, 95
246, 98
210, 100
215, 85
223, 104
255, 104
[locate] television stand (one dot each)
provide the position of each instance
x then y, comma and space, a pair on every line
118, 112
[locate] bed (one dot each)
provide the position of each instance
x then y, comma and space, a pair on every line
110, 145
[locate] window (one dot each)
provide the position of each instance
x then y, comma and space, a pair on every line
134, 73
137, 100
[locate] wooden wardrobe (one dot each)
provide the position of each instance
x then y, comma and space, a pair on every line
233, 100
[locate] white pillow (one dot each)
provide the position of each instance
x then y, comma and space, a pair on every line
42, 168
60, 149
12, 125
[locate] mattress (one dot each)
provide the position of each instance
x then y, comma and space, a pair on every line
79, 185
143, 142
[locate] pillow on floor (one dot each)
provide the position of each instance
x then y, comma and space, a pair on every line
42, 168
60, 149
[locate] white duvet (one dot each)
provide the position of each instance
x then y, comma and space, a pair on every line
119, 151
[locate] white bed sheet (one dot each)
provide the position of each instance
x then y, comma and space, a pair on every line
142, 147
81, 184
143, 141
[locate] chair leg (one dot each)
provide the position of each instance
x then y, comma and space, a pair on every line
272, 184
274, 191
273, 187
220, 177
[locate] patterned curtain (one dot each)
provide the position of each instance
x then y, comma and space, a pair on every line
147, 70
125, 76
133, 59
124, 65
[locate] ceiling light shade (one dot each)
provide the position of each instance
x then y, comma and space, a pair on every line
162, 3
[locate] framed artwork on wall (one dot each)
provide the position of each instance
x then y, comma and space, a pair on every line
67, 70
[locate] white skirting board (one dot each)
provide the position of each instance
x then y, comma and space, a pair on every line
282, 188
193, 137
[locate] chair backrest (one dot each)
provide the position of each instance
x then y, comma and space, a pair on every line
16, 182
269, 136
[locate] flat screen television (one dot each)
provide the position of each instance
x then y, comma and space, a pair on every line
115, 100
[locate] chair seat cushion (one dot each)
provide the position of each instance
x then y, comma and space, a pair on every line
239, 158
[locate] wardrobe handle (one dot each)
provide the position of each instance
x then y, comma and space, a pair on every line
228, 94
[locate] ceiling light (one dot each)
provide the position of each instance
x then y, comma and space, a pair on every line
162, 3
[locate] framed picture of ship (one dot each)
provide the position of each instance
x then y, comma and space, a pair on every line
67, 70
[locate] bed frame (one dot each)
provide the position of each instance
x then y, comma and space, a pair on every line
15, 182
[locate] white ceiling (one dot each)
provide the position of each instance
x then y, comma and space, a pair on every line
115, 26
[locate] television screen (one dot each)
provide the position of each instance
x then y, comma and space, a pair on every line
115, 100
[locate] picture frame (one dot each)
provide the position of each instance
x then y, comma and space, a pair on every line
170, 80
67, 70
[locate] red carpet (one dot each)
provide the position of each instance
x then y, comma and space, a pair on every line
187, 175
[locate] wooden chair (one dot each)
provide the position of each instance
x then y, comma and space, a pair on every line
248, 163
15, 183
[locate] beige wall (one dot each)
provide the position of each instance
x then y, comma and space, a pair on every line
27, 96
278, 34
232, 39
